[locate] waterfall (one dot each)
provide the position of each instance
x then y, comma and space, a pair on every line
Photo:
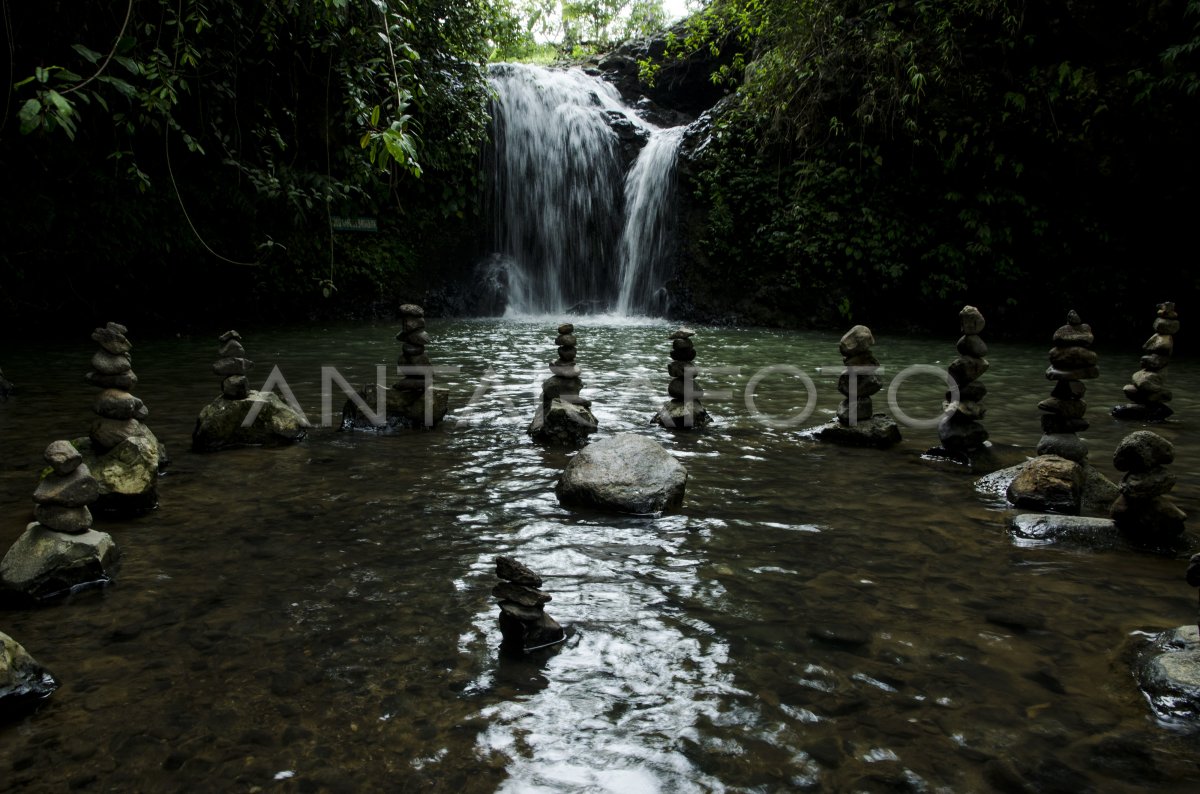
571, 231
648, 238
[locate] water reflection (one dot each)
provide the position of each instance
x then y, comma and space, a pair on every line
814, 618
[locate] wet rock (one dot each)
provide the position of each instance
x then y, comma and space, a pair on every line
127, 474
878, 432
1168, 673
73, 489
105, 363
627, 473
119, 405
683, 411
1064, 445
1094, 533
23, 682
62, 457
562, 418
45, 564
1143, 450
524, 624
70, 520
1143, 511
1048, 483
223, 423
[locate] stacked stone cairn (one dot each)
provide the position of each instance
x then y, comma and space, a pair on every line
960, 429
223, 424
1054, 481
524, 624
409, 403
684, 410
857, 425
60, 552
563, 416
1071, 363
120, 450
1149, 391
1143, 511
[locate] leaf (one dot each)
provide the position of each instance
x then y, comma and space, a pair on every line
130, 65
30, 116
60, 102
91, 56
375, 116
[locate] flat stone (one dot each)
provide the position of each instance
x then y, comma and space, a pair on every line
1068, 358
1054, 424
565, 340
1097, 533
566, 328
1064, 445
564, 370
510, 570
1145, 412
970, 321
1147, 396
112, 342
566, 354
1074, 335
412, 351
682, 415
1161, 344
411, 310
958, 436
232, 366
125, 381
1048, 483
105, 363
861, 360
410, 324
850, 414
421, 360
520, 611
1070, 409
45, 564
968, 392
1146, 382
684, 389
1143, 450
866, 382
680, 369
232, 349
228, 335
119, 405
71, 520
879, 432
1087, 373
683, 333
525, 596
557, 387
108, 433
683, 354
681, 344
77, 488
627, 473
62, 457
857, 341
416, 339
1154, 362
1069, 390
527, 636
23, 682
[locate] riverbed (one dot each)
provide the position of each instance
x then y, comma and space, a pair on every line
319, 617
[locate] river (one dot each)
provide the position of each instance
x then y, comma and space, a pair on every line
319, 617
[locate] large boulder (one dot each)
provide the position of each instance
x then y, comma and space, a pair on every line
44, 564
127, 474
627, 473
23, 682
222, 423
403, 408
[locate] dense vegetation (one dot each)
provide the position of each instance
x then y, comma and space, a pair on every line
874, 161
884, 160
195, 152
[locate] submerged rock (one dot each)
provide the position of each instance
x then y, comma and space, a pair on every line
878, 432
45, 564
1091, 533
23, 682
403, 408
1168, 673
627, 473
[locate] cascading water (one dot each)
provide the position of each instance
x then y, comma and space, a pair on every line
572, 233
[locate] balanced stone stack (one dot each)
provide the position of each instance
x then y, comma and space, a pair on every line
1149, 391
1071, 363
412, 401
60, 552
684, 410
563, 416
524, 624
857, 424
233, 366
120, 450
960, 429
242, 416
1143, 511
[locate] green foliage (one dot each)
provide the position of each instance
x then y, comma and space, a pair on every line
583, 27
